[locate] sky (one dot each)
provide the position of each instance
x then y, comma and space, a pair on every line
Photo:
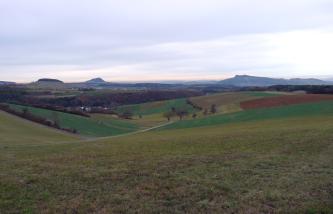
149, 40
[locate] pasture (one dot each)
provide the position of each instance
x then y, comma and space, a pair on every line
300, 110
156, 107
280, 165
93, 127
16, 131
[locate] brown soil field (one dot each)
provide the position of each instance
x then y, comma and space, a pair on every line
205, 102
284, 100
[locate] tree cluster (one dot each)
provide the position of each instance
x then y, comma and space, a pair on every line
180, 113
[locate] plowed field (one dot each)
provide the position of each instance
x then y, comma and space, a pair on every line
284, 100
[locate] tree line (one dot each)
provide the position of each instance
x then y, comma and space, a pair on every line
54, 122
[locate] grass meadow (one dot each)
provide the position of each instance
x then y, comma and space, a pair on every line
298, 110
159, 107
16, 131
280, 165
92, 127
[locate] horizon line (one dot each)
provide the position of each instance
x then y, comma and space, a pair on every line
323, 78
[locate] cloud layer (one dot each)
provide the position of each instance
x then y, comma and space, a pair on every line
158, 39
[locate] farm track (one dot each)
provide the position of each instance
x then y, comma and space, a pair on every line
88, 140
127, 134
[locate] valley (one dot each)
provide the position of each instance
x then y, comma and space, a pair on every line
242, 152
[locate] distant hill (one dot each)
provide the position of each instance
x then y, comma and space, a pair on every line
312, 81
330, 80
96, 81
201, 82
46, 80
246, 80
6, 83
47, 83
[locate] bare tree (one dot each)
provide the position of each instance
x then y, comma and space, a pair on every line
181, 114
213, 109
55, 119
168, 115
205, 112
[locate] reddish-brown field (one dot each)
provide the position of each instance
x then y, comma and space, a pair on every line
284, 100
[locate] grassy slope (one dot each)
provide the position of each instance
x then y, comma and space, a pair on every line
16, 131
265, 94
156, 107
300, 110
85, 126
268, 166
152, 111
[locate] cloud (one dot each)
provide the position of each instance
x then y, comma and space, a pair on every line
154, 39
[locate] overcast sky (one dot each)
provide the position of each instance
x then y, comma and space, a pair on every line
128, 40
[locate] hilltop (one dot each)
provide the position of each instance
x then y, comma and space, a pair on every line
96, 81
47, 80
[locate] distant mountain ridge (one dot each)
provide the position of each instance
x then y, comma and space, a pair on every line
246, 80
236, 82
6, 83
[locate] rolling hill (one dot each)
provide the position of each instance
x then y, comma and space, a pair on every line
158, 107
229, 101
16, 131
93, 127
298, 110
272, 158
262, 166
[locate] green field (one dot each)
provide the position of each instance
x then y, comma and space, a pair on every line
16, 131
156, 107
282, 165
85, 126
299, 110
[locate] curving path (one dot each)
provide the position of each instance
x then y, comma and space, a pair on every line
87, 140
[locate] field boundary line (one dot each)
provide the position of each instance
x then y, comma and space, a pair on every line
87, 140
127, 134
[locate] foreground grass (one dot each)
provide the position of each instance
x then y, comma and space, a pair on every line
280, 165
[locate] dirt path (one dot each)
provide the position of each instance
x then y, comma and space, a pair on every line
127, 134
88, 140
